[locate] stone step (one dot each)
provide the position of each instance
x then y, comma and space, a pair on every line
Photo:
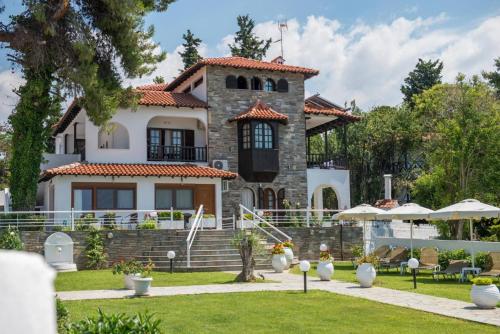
210, 268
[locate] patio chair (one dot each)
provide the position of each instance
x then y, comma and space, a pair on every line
394, 258
429, 259
494, 270
382, 251
453, 269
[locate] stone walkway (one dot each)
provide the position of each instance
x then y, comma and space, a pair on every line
285, 281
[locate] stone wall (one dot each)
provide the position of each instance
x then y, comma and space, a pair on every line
223, 136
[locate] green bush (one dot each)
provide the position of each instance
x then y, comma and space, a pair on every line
62, 316
357, 251
127, 267
148, 224
28, 222
165, 215
444, 257
96, 257
481, 260
116, 323
248, 216
85, 223
482, 281
109, 220
11, 239
178, 215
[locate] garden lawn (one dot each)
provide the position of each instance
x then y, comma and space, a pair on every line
278, 312
104, 279
449, 288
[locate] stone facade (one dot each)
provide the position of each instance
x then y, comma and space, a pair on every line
223, 135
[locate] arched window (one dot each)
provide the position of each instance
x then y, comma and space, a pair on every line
113, 136
231, 82
270, 85
256, 83
242, 83
282, 86
247, 198
263, 136
246, 142
269, 199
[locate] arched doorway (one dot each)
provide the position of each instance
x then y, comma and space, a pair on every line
324, 197
247, 198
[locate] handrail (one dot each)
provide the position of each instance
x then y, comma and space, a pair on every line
243, 208
198, 220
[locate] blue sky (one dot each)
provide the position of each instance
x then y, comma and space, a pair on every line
363, 49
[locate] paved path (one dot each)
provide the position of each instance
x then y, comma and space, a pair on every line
285, 281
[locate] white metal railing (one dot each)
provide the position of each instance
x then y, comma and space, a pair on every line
296, 217
244, 211
198, 221
229, 223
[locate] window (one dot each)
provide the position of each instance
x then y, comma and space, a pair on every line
179, 199
246, 142
269, 86
118, 199
242, 83
104, 196
231, 82
82, 199
198, 82
282, 86
263, 136
256, 83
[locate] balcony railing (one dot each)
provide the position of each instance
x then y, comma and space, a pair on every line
326, 161
177, 153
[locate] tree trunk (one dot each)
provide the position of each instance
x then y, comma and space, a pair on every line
248, 261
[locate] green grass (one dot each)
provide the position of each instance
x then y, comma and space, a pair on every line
449, 288
104, 279
278, 312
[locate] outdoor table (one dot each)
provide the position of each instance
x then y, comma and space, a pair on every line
468, 270
402, 267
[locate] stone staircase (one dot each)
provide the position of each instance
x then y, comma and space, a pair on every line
211, 251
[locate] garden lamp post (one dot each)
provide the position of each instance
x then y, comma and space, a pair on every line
323, 247
304, 267
413, 265
171, 256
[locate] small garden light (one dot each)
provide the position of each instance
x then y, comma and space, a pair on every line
171, 256
304, 267
413, 265
323, 247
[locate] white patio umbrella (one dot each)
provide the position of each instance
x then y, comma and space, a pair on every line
408, 211
467, 209
362, 212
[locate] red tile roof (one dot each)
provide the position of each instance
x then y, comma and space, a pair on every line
310, 108
386, 203
120, 169
260, 110
153, 86
169, 99
240, 62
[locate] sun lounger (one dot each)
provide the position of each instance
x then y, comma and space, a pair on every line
429, 259
453, 269
494, 270
394, 258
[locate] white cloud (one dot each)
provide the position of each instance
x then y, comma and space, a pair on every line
8, 100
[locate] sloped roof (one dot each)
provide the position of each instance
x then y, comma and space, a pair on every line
169, 99
260, 110
153, 86
139, 169
319, 106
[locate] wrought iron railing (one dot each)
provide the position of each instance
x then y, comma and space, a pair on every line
327, 161
177, 153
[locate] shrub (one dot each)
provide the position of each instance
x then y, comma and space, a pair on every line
357, 250
368, 259
85, 223
481, 260
248, 216
29, 222
147, 269
109, 220
444, 257
62, 316
10, 239
288, 243
178, 215
96, 257
116, 323
482, 281
148, 224
127, 267
165, 215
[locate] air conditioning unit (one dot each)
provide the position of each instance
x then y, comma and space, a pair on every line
220, 164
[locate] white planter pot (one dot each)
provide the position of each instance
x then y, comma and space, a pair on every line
279, 262
127, 280
142, 285
366, 275
171, 225
325, 270
485, 296
288, 256
209, 222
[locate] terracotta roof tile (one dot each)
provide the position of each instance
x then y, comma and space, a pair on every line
157, 87
386, 203
169, 99
309, 108
241, 62
260, 110
120, 169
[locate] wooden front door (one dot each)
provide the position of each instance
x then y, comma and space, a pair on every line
205, 194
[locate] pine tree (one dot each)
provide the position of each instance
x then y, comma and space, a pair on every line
493, 78
246, 43
425, 75
190, 55
159, 79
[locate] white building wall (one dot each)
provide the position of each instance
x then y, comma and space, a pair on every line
337, 179
201, 91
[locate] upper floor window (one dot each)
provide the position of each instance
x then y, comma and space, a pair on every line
245, 136
270, 85
256, 83
242, 83
113, 136
231, 82
263, 136
282, 86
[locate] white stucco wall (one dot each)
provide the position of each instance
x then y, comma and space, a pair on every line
337, 179
201, 91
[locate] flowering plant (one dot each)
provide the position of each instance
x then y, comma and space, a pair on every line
127, 267
147, 269
371, 258
288, 244
325, 256
278, 249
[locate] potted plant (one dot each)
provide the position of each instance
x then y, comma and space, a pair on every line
325, 266
365, 273
129, 269
288, 248
142, 283
246, 221
484, 293
279, 259
148, 224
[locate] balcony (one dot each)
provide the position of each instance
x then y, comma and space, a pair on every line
177, 153
327, 161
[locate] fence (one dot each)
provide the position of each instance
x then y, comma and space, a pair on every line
288, 217
469, 246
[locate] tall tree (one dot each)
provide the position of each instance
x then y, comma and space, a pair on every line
425, 75
494, 77
159, 79
74, 45
190, 55
246, 43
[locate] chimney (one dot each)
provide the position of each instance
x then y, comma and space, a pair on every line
278, 60
388, 186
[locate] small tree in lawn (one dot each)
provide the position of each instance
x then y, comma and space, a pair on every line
248, 244
246, 43
190, 55
96, 257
